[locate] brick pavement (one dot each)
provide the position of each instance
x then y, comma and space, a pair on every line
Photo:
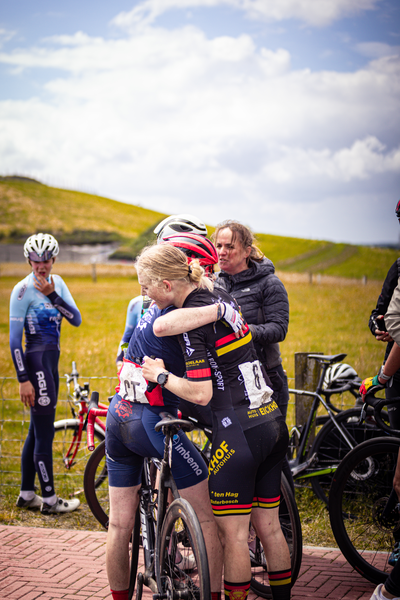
59, 564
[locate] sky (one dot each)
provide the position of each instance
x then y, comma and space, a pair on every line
282, 114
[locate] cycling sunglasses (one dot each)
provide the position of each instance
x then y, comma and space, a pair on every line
47, 254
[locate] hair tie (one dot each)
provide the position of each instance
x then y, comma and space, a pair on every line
189, 269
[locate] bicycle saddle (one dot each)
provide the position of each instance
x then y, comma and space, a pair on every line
328, 359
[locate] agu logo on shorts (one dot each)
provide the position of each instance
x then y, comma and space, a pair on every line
43, 399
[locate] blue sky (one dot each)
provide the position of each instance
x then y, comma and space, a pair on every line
283, 114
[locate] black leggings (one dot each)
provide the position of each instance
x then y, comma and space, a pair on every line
392, 583
37, 454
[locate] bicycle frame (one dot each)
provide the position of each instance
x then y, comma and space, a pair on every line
79, 419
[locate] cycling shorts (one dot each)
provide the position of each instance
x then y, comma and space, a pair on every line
245, 466
42, 369
130, 436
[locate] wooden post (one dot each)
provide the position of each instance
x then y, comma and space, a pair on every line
94, 276
306, 375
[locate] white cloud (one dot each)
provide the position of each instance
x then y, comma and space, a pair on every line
5, 36
377, 49
318, 13
174, 120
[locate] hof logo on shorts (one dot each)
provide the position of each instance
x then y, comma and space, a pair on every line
43, 399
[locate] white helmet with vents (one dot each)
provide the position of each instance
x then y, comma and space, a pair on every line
41, 247
178, 224
339, 375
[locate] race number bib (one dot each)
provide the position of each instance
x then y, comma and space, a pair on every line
258, 391
132, 385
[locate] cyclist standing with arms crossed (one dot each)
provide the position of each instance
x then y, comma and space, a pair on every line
250, 436
37, 305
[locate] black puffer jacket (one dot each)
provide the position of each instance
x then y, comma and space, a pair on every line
264, 304
389, 285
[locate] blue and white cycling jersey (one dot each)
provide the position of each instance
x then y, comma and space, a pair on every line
40, 316
133, 316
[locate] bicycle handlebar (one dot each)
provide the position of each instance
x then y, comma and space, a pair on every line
93, 412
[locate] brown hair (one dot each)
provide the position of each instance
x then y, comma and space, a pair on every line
244, 235
164, 261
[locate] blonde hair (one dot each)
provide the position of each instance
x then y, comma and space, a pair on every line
244, 235
164, 261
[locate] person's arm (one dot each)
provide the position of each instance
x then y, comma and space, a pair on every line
17, 318
382, 304
63, 302
133, 314
186, 319
198, 392
276, 313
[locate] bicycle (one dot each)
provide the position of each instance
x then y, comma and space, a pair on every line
168, 532
363, 507
70, 451
96, 492
341, 433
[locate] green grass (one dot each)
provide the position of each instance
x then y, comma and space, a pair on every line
328, 319
25, 206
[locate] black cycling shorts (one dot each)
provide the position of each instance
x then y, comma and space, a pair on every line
245, 466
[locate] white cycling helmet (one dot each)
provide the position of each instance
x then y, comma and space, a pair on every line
40, 247
339, 374
177, 224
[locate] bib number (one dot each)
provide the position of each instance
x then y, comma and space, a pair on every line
132, 383
257, 390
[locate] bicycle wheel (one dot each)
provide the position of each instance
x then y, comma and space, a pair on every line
363, 522
330, 448
67, 468
180, 537
291, 528
134, 554
95, 484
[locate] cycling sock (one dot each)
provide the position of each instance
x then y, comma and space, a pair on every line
122, 595
215, 595
281, 584
236, 591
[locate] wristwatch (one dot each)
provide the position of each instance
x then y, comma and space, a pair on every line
162, 378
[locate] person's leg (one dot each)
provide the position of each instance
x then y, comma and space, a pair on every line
198, 497
27, 465
268, 528
43, 454
123, 505
234, 532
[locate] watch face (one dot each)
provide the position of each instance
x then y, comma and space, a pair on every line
162, 378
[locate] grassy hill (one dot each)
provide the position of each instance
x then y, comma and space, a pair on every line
27, 206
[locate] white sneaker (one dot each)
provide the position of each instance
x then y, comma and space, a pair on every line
61, 506
378, 595
186, 562
35, 502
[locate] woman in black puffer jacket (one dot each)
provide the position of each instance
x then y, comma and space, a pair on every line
248, 276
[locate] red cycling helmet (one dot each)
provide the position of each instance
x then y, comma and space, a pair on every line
398, 210
195, 246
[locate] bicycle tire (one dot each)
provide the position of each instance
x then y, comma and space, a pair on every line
181, 523
362, 534
330, 448
72, 476
134, 554
291, 528
95, 485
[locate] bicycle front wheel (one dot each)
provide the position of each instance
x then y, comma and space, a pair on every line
95, 484
364, 523
70, 454
182, 565
330, 448
291, 529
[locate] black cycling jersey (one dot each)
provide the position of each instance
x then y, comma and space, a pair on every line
213, 352
249, 433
